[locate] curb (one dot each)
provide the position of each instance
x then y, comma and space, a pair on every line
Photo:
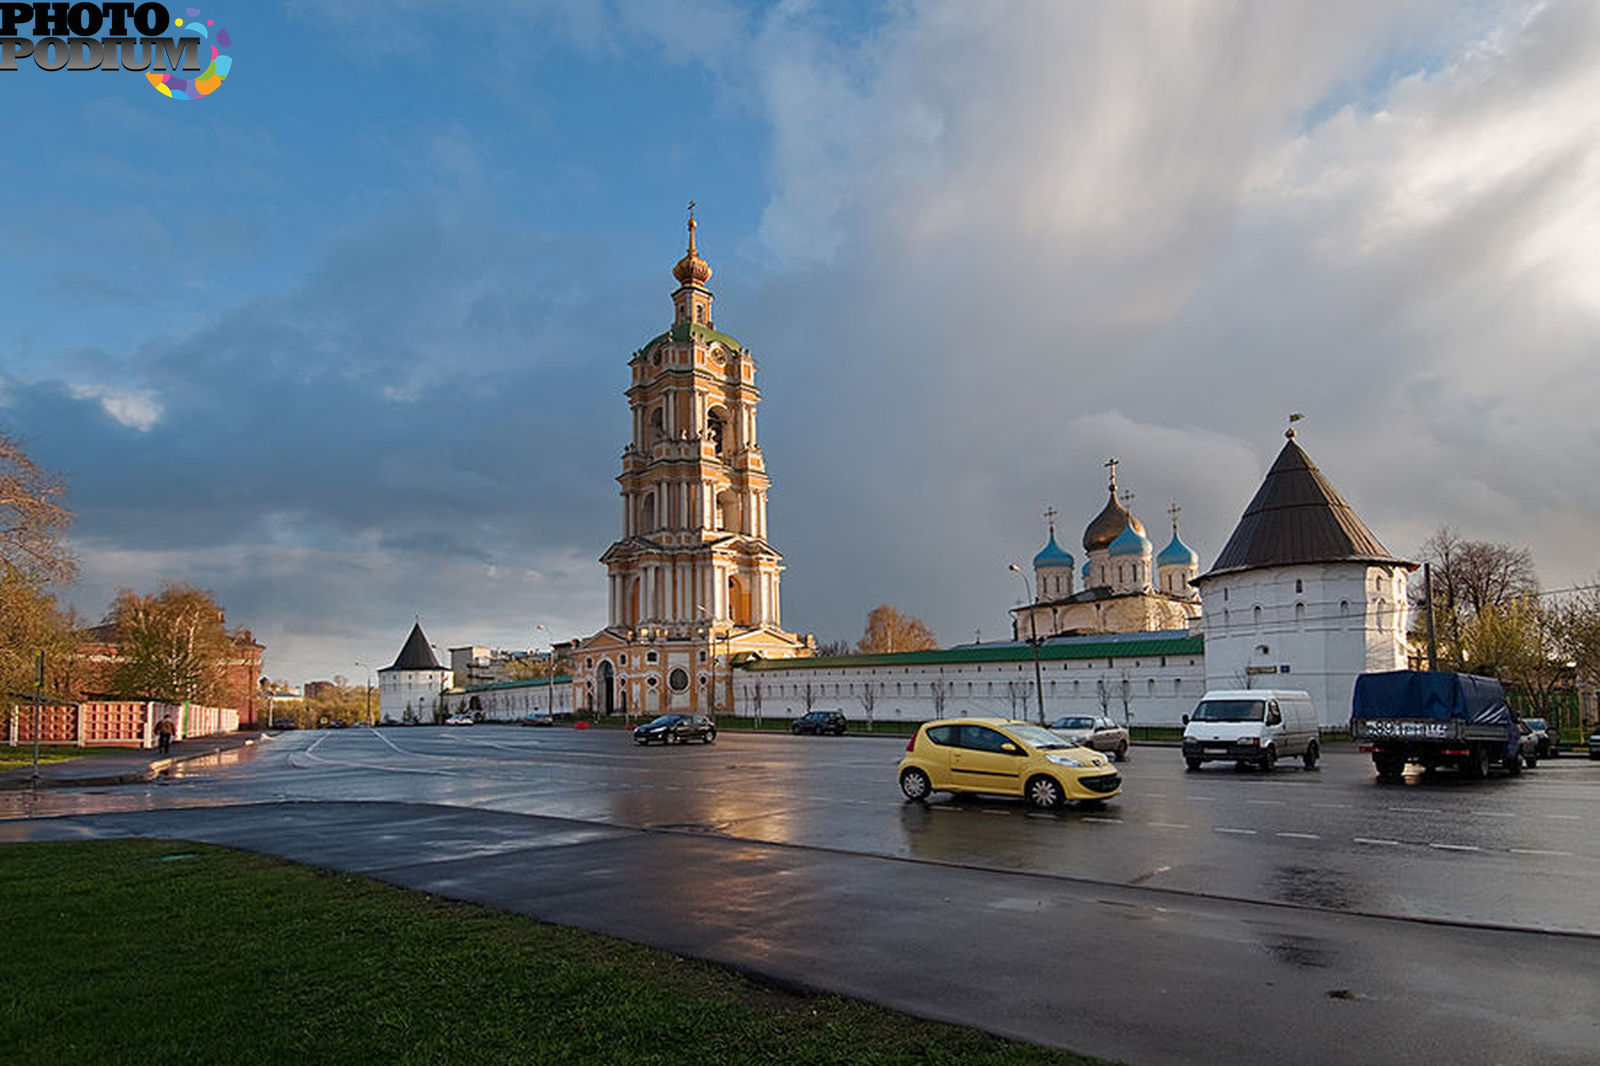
155, 769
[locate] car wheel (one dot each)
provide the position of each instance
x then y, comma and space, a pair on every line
1514, 764
1478, 762
1044, 793
795, 730
1531, 761
1122, 751
1310, 757
711, 736
1193, 764
1389, 768
915, 784
1269, 758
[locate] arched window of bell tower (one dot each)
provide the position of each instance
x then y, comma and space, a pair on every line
647, 512
728, 511
658, 424
738, 602
717, 428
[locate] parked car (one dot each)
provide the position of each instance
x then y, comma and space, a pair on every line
1003, 757
819, 722
1546, 740
1527, 743
459, 719
1251, 727
284, 723
538, 720
1101, 734
676, 729
1594, 743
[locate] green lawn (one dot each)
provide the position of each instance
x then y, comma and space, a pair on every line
12, 758
157, 952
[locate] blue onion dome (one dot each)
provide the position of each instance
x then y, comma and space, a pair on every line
1177, 553
1130, 542
1086, 570
1053, 555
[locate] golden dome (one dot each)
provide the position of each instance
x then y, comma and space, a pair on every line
1109, 524
691, 269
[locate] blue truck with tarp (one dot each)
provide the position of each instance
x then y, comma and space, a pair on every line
1434, 719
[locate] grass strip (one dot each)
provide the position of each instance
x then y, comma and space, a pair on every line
166, 952
14, 757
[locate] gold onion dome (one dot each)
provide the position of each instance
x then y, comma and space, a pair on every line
1109, 524
691, 269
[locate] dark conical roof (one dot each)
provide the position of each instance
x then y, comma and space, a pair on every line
417, 654
1297, 516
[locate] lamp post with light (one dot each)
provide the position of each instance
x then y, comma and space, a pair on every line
368, 714
550, 675
1033, 641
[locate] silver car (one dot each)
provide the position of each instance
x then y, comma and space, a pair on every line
1099, 733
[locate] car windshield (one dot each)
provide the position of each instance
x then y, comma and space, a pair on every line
1536, 723
1037, 737
1072, 723
1229, 711
666, 719
816, 716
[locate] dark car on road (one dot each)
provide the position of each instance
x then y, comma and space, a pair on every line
676, 729
819, 722
1594, 743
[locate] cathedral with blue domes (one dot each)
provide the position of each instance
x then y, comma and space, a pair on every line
1127, 586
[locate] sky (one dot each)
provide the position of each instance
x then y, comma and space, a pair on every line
346, 341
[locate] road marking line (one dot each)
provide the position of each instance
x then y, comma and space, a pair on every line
1333, 806
1240, 832
1103, 821
1168, 825
1456, 847
1494, 814
1417, 810
1369, 840
1266, 803
1566, 817
1155, 795
1539, 851
1299, 836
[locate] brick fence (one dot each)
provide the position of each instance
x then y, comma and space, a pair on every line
119, 723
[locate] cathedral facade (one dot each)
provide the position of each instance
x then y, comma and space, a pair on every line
693, 580
1127, 586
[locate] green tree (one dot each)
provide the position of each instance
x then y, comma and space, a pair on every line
888, 631
172, 646
1517, 643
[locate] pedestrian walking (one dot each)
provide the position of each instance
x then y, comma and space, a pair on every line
164, 731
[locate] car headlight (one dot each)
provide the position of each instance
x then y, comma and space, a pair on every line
1063, 760
1249, 742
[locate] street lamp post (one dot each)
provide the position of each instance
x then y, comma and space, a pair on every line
368, 691
1033, 642
550, 676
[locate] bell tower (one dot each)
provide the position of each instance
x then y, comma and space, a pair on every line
693, 578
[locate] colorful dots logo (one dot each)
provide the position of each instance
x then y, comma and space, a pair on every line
212, 36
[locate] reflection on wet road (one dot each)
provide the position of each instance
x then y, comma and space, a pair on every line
1515, 852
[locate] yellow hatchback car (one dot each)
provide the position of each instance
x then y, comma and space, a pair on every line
1006, 758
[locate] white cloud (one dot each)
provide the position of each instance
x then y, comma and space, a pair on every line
135, 408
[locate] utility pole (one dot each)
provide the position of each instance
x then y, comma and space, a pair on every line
38, 689
1427, 595
1033, 641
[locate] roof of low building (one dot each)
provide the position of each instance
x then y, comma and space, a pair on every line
1298, 517
1101, 646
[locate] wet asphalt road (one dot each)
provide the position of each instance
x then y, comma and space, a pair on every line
1159, 896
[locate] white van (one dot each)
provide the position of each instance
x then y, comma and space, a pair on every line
1251, 727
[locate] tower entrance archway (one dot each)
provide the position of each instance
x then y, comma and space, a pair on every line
607, 688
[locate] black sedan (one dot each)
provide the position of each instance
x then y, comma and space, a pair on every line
676, 729
819, 722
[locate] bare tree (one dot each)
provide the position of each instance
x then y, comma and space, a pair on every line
941, 692
889, 631
808, 695
1470, 577
830, 648
33, 519
869, 700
